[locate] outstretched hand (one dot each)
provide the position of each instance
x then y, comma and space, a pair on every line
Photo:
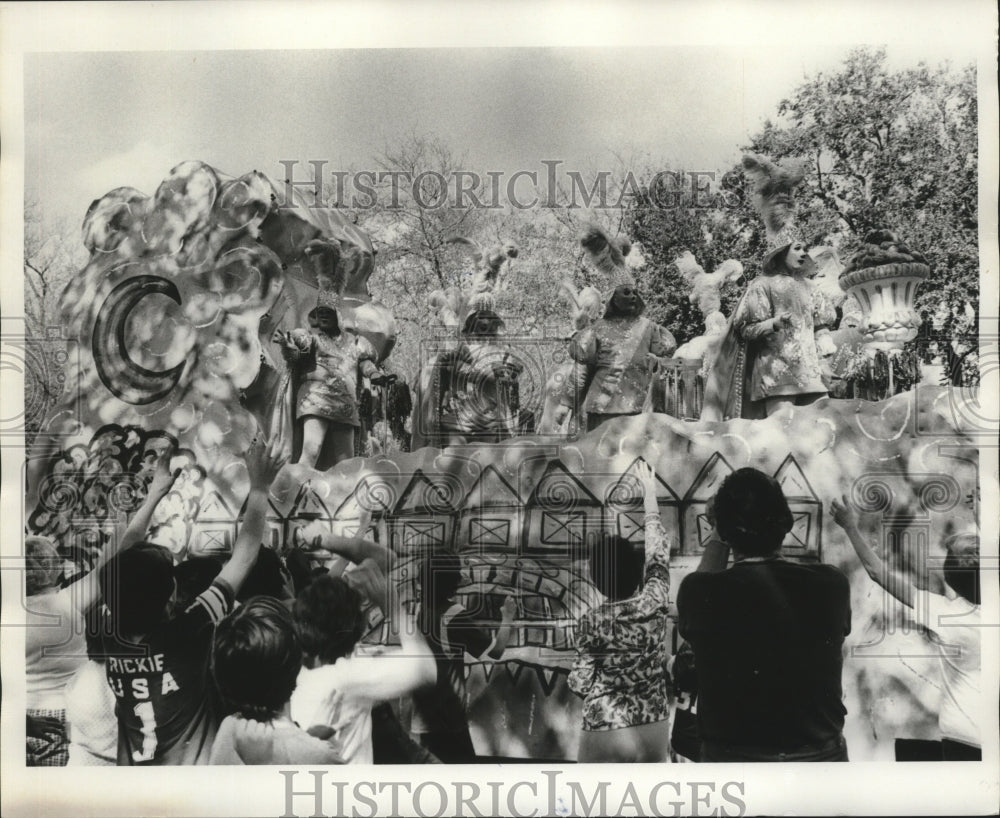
371, 583
163, 478
843, 513
310, 536
508, 610
264, 460
647, 479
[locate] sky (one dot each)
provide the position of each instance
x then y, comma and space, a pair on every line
98, 120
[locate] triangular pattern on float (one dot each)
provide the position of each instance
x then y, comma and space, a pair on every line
664, 492
547, 678
423, 496
793, 481
707, 482
557, 475
309, 505
491, 489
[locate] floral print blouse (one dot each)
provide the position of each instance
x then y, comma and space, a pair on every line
622, 648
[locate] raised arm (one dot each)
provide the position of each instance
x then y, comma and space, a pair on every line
507, 613
368, 362
396, 672
894, 581
655, 589
715, 556
263, 464
86, 590
356, 549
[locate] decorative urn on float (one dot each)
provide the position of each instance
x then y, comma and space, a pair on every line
884, 275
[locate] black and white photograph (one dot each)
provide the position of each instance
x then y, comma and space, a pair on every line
503, 410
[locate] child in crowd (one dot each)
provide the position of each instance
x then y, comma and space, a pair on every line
255, 662
954, 620
439, 720
621, 644
90, 704
157, 662
339, 683
55, 648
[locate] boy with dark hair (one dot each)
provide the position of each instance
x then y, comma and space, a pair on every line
255, 662
953, 619
767, 634
157, 663
339, 684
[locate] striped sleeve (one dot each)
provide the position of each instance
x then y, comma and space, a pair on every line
216, 602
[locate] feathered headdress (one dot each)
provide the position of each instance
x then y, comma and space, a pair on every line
321, 261
705, 286
452, 307
608, 255
586, 305
486, 274
774, 185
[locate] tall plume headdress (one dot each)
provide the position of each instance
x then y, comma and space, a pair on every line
607, 254
774, 186
486, 273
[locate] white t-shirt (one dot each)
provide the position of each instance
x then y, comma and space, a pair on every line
334, 696
956, 626
55, 647
90, 714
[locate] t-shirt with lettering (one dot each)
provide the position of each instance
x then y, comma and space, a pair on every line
167, 707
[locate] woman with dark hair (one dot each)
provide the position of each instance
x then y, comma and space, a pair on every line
769, 357
327, 362
621, 644
767, 634
954, 620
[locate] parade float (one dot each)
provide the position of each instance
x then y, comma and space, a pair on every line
171, 324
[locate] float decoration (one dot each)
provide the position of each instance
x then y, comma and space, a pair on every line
884, 275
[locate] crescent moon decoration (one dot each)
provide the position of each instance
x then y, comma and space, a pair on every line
123, 377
